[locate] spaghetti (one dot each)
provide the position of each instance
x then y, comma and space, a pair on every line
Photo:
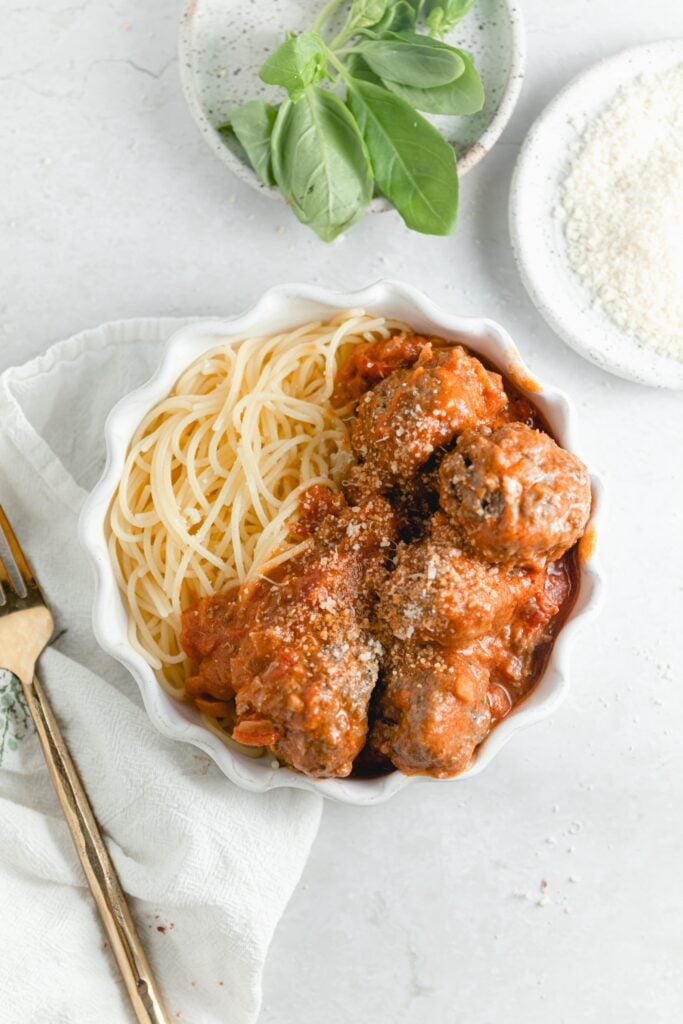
214, 473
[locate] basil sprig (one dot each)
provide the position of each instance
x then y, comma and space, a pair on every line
328, 151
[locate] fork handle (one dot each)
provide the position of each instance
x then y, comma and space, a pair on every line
99, 870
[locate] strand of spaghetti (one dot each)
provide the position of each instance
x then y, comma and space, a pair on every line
284, 556
266, 542
190, 457
223, 442
340, 334
162, 495
243, 357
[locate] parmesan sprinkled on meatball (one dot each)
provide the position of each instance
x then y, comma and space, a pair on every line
442, 594
406, 417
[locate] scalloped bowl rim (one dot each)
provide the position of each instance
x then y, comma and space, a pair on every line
473, 155
287, 303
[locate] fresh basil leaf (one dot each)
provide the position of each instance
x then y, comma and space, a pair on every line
357, 67
465, 95
413, 164
365, 13
252, 125
408, 36
443, 15
398, 16
320, 162
412, 60
300, 61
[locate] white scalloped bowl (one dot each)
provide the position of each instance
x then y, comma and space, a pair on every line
281, 308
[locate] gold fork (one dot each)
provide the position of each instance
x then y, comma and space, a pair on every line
25, 629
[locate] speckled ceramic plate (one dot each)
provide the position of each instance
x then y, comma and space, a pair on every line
223, 43
538, 235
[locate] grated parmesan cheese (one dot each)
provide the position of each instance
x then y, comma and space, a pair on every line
622, 204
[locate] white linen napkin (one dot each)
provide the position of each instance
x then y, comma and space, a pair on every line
208, 868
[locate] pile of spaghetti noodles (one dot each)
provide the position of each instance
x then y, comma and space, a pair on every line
214, 474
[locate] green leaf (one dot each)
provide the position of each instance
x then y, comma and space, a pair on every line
408, 36
398, 16
320, 162
300, 61
413, 164
443, 15
412, 60
357, 67
252, 125
365, 13
465, 95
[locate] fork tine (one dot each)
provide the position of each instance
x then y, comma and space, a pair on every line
5, 581
18, 555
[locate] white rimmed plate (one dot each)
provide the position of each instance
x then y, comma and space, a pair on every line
223, 43
280, 308
537, 233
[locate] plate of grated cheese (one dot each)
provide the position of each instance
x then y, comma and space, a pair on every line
596, 214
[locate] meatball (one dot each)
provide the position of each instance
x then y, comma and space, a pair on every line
433, 711
516, 496
415, 411
442, 594
296, 648
306, 668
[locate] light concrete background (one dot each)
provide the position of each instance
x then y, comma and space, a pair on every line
549, 889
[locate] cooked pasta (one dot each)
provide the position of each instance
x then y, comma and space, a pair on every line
213, 476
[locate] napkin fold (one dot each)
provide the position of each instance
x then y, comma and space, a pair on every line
207, 867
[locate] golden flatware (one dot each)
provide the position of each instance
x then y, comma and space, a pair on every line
25, 629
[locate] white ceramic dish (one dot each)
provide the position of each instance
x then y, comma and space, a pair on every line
280, 308
538, 236
223, 43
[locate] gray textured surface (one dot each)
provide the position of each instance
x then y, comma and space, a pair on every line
430, 908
